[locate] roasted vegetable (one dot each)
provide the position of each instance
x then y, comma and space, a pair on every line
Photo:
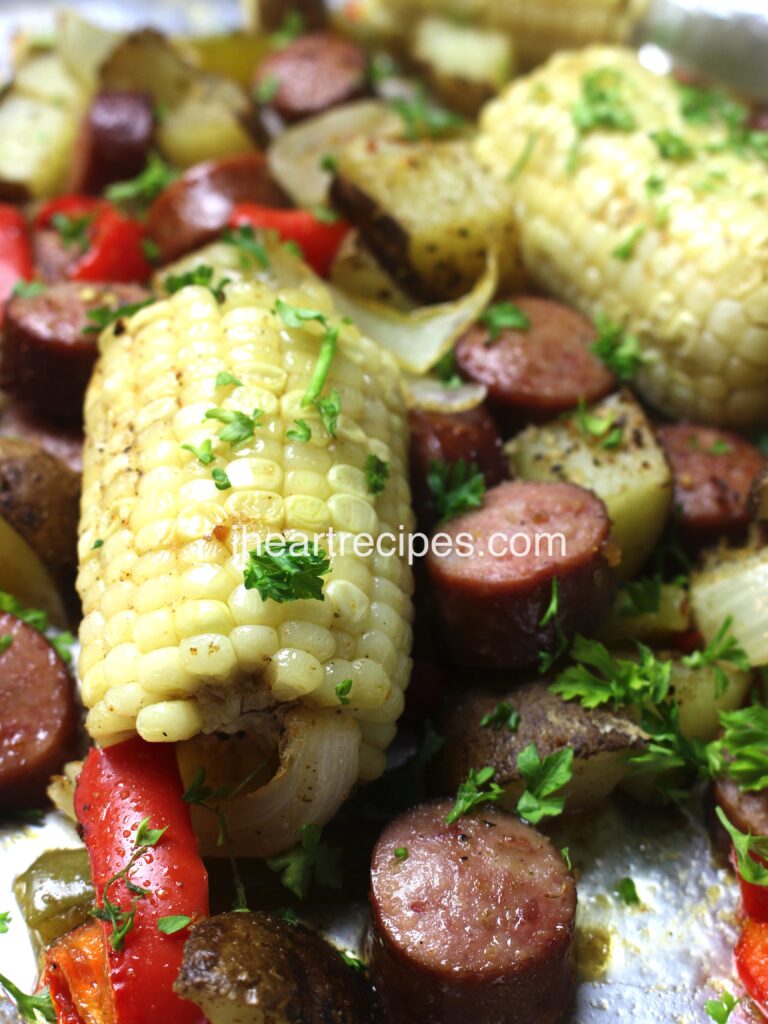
610, 448
647, 610
428, 212
478, 731
55, 894
256, 968
703, 692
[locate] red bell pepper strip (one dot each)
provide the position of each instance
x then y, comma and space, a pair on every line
754, 898
113, 250
119, 787
16, 262
319, 240
77, 975
752, 961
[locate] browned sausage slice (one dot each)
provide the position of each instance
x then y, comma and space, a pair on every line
198, 206
38, 714
63, 441
747, 811
449, 437
534, 374
54, 259
473, 922
493, 582
114, 142
46, 357
312, 74
713, 474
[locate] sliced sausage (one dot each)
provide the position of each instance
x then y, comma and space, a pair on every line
54, 259
114, 142
62, 440
747, 811
492, 575
312, 74
474, 922
38, 714
713, 472
256, 966
474, 724
47, 357
194, 209
449, 437
40, 499
534, 374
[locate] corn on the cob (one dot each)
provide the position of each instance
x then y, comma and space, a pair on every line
649, 205
172, 642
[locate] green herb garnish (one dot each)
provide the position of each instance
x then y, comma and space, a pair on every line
723, 647
239, 426
473, 792
154, 179
105, 316
376, 474
602, 105
422, 118
672, 146
245, 239
204, 453
454, 487
342, 691
73, 231
542, 779
220, 478
312, 858
626, 249
173, 923
626, 890
287, 571
619, 351
27, 289
30, 1006
503, 716
301, 431
721, 1009
503, 316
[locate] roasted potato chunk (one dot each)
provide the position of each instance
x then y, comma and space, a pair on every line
429, 214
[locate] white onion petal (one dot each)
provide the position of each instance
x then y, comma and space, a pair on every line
434, 395
735, 585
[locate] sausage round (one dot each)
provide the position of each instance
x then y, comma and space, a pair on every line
54, 260
38, 715
63, 441
474, 923
312, 74
449, 437
713, 472
46, 358
114, 142
194, 209
534, 374
490, 602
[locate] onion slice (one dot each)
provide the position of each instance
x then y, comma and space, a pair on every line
433, 395
735, 583
318, 766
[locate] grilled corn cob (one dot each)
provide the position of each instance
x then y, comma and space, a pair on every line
648, 203
173, 643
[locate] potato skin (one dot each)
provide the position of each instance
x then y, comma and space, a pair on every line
601, 741
256, 968
39, 498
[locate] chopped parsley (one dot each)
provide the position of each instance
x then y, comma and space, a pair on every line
454, 487
598, 678
301, 431
151, 250
287, 571
246, 241
73, 231
619, 351
220, 478
503, 716
329, 163
342, 691
609, 431
743, 747
28, 289
122, 920
30, 1006
225, 379
720, 447
325, 214
565, 853
641, 597
655, 185
154, 179
267, 89
602, 105
239, 426
310, 859
99, 543
543, 778
294, 317
748, 847
478, 788
503, 316
5, 920
5, 642
401, 854
723, 647
204, 453
548, 658
625, 250
202, 276
721, 1009
626, 890
672, 146
105, 316
525, 155
173, 923
329, 410
37, 619
554, 604
424, 119
292, 27
446, 371
352, 961
376, 474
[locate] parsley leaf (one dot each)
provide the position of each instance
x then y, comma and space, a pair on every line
244, 239
300, 432
401, 853
445, 370
310, 858
37, 619
455, 487
5, 642
220, 478
744, 744
146, 836
615, 680
542, 779
352, 961
376, 474
203, 453
291, 28
602, 105
422, 118
28, 289
225, 379
325, 214
296, 316
98, 543
672, 146
554, 603
5, 920
609, 431
472, 793
522, 160
329, 410
329, 163
104, 316
287, 571
173, 923
565, 853
721, 1009
266, 89
626, 249
342, 690
73, 231
154, 179
747, 847
503, 316
29, 1006
620, 352
502, 716
723, 647
641, 597
626, 890
151, 251
239, 426
202, 275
